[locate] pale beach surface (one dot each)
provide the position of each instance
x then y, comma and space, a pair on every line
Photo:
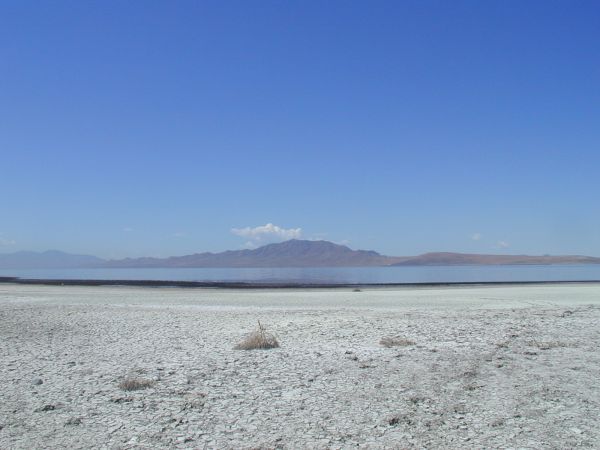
491, 367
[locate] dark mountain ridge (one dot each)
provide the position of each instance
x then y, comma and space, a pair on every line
292, 253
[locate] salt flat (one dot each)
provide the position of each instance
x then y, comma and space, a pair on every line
491, 367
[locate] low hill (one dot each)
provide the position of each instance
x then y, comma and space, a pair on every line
453, 259
51, 259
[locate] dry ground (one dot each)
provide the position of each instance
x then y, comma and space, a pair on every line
510, 367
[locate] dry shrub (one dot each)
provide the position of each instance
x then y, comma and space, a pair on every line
472, 387
135, 384
194, 400
547, 345
259, 339
394, 420
400, 419
395, 342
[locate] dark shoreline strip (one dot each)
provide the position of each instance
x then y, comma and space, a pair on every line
263, 285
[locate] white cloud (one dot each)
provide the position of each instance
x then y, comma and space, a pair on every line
127, 229
476, 236
179, 234
266, 233
6, 242
503, 244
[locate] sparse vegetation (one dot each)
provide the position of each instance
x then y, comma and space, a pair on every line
395, 420
46, 408
395, 342
135, 384
259, 339
497, 422
400, 419
417, 399
471, 373
73, 421
547, 345
194, 400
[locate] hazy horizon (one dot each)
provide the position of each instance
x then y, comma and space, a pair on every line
159, 129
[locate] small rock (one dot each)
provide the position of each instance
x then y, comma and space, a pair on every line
37, 381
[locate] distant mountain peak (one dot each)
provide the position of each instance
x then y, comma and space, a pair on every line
290, 253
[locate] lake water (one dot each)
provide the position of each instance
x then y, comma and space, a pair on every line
333, 275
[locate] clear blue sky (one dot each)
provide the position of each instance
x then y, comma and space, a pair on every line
154, 128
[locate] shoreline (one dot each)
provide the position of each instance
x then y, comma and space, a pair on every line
275, 285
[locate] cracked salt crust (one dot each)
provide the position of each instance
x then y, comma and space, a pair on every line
494, 367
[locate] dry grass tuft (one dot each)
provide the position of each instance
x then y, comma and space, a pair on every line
259, 339
394, 420
135, 384
400, 419
395, 342
547, 345
472, 387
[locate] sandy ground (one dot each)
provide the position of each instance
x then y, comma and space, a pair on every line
493, 367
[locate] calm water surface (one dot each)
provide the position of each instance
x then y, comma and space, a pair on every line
332, 275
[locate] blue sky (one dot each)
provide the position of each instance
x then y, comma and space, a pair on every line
163, 128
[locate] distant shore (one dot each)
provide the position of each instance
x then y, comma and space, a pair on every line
267, 285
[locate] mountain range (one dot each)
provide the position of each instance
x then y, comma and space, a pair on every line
52, 259
292, 253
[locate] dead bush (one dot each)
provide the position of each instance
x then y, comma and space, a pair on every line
547, 345
395, 342
399, 419
394, 420
259, 339
135, 384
